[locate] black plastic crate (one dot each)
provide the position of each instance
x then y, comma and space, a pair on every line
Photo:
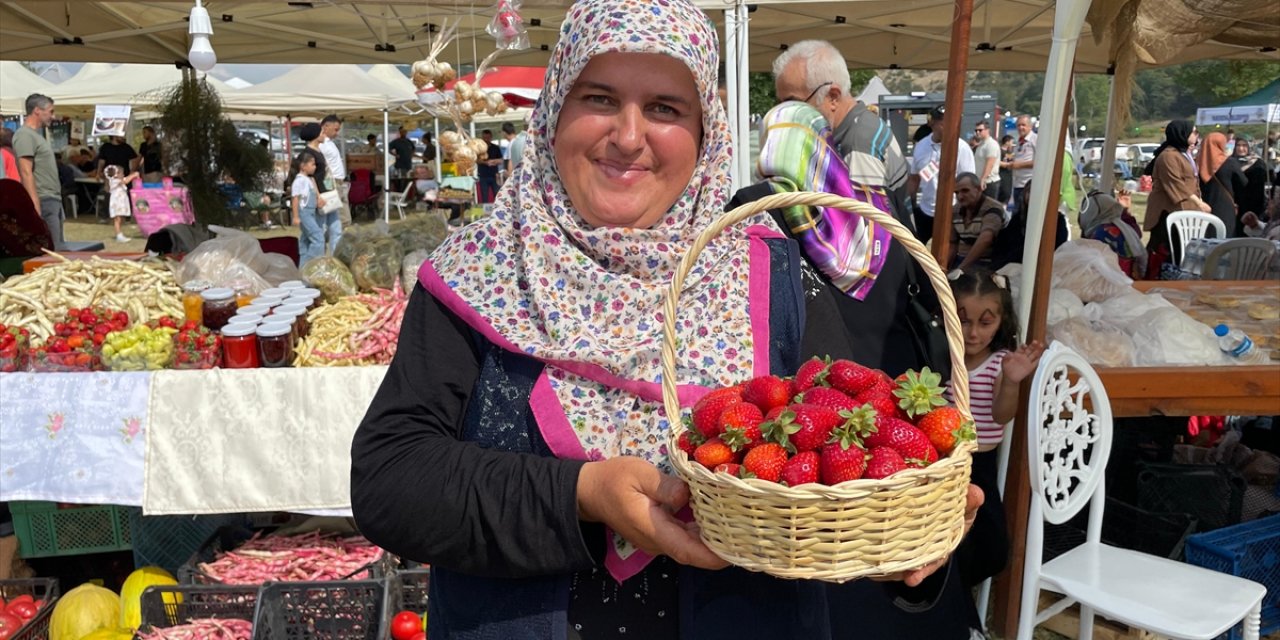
40, 589
407, 590
169, 541
230, 537
337, 610
171, 605
1212, 494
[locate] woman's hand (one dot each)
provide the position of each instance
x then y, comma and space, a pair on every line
913, 578
638, 501
1020, 364
1204, 206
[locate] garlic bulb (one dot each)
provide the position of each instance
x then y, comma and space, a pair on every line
479, 146
466, 153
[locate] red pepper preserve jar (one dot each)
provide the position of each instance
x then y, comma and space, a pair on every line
219, 305
240, 346
275, 344
299, 310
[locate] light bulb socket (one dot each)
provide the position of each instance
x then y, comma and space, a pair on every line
199, 22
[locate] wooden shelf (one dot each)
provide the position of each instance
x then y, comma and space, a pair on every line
1187, 391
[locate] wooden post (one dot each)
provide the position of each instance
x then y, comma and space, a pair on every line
1017, 489
957, 67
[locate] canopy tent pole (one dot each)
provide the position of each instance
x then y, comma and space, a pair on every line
288, 135
957, 67
743, 113
1112, 133
731, 88
1037, 264
436, 143
386, 167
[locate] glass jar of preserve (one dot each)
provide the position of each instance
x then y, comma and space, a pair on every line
310, 297
240, 346
291, 285
244, 292
218, 305
255, 309
192, 303
298, 310
246, 318
275, 344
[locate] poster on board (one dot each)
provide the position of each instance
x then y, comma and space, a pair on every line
111, 119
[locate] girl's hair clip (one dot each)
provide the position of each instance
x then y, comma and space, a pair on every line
954, 275
1000, 280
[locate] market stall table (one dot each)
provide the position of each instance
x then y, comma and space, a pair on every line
1200, 390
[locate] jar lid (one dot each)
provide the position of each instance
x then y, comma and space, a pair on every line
242, 318
295, 308
306, 292
196, 286
240, 284
239, 330
274, 329
217, 294
259, 308
292, 284
276, 292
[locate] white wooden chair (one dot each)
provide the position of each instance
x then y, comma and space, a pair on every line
1190, 226
1250, 259
1069, 442
401, 200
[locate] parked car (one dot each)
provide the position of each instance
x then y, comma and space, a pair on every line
1143, 152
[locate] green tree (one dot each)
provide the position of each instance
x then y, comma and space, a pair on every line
761, 96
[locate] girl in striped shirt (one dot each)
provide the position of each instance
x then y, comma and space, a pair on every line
997, 365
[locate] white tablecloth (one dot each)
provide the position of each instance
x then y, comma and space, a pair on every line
184, 442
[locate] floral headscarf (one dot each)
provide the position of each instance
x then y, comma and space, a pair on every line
536, 279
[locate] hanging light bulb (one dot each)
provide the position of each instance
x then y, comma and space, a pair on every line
201, 55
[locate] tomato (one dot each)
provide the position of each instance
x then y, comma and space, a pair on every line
9, 625
406, 625
23, 610
422, 635
75, 342
83, 360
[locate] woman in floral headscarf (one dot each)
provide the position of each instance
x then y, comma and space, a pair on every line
518, 442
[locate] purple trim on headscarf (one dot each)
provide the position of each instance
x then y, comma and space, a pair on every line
650, 391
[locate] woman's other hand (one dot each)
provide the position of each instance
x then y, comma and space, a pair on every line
639, 502
913, 578
1020, 364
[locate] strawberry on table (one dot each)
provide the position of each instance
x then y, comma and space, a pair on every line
713, 453
766, 461
802, 469
883, 462
945, 426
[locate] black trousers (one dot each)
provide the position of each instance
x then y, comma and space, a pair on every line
924, 225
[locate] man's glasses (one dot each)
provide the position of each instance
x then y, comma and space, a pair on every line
811, 95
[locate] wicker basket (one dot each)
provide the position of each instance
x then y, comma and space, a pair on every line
857, 529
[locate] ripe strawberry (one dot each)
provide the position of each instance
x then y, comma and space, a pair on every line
811, 374
850, 378
766, 461
827, 397
706, 412
901, 436
743, 438
767, 392
742, 416
919, 393
921, 463
883, 403
844, 459
689, 441
773, 414
945, 426
713, 453
732, 468
816, 423
802, 469
883, 462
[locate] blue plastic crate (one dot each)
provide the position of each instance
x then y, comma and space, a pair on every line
1249, 550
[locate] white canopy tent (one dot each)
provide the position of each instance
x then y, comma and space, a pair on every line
16, 83
139, 85
874, 89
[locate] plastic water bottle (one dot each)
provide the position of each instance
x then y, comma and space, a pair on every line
1236, 344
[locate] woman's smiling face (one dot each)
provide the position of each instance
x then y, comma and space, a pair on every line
628, 138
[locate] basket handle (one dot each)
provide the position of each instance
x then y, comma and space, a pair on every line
950, 320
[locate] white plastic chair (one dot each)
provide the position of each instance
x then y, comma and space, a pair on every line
1250, 259
1067, 451
1190, 225
401, 200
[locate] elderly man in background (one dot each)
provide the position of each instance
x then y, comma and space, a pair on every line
1024, 153
36, 165
977, 221
330, 127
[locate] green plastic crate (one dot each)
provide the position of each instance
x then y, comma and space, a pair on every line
45, 530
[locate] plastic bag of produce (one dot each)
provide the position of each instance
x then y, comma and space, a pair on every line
422, 232
351, 241
376, 261
1170, 337
1063, 305
1102, 344
1090, 270
235, 255
331, 277
1123, 311
409, 269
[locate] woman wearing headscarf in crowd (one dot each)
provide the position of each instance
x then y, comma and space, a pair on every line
1253, 198
1107, 220
310, 134
1174, 187
518, 442
1220, 181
